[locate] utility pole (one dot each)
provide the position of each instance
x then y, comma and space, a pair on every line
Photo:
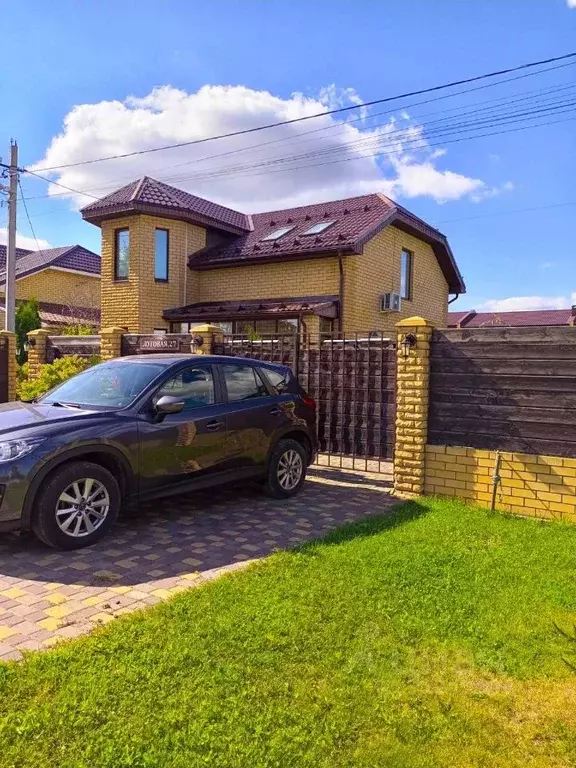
10, 296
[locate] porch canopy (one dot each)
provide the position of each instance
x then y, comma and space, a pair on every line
255, 309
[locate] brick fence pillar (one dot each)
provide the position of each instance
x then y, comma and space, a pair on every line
204, 337
37, 341
413, 381
111, 342
8, 338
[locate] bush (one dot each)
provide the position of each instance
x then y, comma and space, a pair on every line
79, 329
27, 319
51, 374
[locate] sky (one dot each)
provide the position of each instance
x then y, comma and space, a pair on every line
80, 81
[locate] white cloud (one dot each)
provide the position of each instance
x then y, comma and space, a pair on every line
23, 241
251, 172
571, 3
519, 303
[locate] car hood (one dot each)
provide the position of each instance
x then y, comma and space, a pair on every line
15, 416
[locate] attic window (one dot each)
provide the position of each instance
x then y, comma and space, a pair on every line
278, 233
320, 227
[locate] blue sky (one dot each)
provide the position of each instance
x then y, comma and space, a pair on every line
133, 75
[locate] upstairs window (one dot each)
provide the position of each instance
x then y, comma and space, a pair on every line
278, 233
121, 254
315, 229
161, 255
406, 274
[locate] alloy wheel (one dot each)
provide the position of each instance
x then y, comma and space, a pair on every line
82, 507
290, 468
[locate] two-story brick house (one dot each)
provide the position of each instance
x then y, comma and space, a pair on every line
171, 259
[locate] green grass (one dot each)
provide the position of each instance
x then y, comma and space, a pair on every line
425, 638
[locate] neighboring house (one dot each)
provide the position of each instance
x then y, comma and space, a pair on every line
65, 281
171, 259
535, 317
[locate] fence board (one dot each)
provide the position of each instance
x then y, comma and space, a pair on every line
512, 389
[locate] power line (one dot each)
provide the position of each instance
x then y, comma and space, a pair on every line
28, 216
453, 84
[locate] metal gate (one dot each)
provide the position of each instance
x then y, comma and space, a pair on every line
353, 380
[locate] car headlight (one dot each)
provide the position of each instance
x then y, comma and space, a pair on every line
15, 449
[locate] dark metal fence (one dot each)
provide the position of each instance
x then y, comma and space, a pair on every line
353, 380
63, 346
3, 370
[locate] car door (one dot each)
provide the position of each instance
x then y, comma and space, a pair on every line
253, 415
176, 448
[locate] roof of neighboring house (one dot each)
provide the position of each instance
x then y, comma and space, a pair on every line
325, 306
532, 317
74, 257
356, 221
147, 195
62, 314
19, 252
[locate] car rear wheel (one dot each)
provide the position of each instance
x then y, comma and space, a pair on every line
286, 470
77, 506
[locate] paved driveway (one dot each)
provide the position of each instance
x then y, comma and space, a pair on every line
163, 548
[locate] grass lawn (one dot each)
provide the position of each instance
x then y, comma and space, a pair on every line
423, 638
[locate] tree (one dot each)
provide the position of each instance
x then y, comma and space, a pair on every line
27, 319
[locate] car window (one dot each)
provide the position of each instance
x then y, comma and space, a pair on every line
194, 385
278, 379
243, 383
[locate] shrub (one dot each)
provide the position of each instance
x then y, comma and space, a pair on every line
51, 374
27, 319
78, 329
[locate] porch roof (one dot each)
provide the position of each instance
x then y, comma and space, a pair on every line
324, 306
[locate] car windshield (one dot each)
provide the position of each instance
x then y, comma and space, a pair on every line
106, 385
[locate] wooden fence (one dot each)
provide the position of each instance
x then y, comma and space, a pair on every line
510, 389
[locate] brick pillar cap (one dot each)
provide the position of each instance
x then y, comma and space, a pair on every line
39, 332
206, 328
7, 333
414, 322
113, 329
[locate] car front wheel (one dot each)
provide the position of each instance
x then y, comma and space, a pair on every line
286, 470
77, 506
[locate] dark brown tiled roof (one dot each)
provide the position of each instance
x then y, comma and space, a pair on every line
74, 257
530, 317
62, 314
150, 196
326, 306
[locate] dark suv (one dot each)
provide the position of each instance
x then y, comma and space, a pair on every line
145, 426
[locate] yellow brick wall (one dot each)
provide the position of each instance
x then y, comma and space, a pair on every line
539, 486
138, 303
310, 277
57, 287
377, 271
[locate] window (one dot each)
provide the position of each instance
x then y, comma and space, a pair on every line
278, 233
121, 254
406, 274
242, 383
315, 229
278, 379
194, 385
161, 255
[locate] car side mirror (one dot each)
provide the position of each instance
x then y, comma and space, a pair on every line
168, 404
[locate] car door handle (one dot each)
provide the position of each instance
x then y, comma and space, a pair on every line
275, 411
214, 425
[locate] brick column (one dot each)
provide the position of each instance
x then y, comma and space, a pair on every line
204, 337
8, 339
36, 351
413, 380
111, 342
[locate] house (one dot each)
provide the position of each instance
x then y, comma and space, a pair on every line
65, 281
171, 260
534, 317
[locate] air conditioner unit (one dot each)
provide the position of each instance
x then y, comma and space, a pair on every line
390, 302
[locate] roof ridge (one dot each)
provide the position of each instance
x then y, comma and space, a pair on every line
138, 187
321, 202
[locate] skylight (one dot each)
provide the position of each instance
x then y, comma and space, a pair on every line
315, 229
278, 233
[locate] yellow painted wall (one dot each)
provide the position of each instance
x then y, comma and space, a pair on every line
377, 271
58, 287
538, 486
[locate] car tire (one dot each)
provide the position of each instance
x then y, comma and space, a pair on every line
64, 517
286, 470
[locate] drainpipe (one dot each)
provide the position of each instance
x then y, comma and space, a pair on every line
340, 292
451, 301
